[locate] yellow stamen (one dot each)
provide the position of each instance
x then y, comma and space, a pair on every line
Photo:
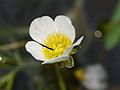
80, 74
57, 42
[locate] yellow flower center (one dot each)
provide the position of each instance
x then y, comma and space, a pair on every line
56, 43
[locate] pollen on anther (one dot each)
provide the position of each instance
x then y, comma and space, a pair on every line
58, 42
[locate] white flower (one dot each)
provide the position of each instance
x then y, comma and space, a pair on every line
95, 77
53, 39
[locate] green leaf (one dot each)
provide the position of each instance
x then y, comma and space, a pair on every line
112, 38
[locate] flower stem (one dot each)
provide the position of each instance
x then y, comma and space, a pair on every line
60, 78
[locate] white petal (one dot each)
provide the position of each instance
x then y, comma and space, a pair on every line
65, 55
69, 49
78, 41
35, 50
40, 28
57, 59
65, 26
69, 63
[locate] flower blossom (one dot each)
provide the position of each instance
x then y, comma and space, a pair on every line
53, 40
95, 77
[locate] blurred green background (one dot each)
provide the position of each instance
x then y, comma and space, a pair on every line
97, 20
